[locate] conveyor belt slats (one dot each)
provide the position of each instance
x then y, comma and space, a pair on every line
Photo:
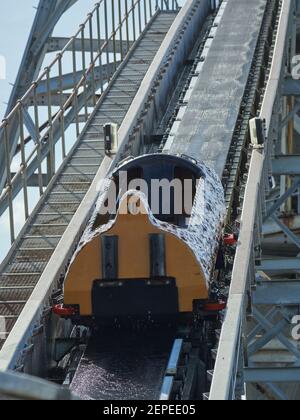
220, 87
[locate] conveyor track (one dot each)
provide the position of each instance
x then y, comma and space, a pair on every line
21, 271
113, 374
207, 127
124, 366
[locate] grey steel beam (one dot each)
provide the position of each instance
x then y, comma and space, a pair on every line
57, 98
277, 293
33, 181
286, 165
56, 44
277, 392
297, 123
291, 235
17, 386
283, 199
258, 329
33, 56
271, 229
271, 333
291, 87
278, 375
280, 265
290, 115
69, 80
47, 29
268, 326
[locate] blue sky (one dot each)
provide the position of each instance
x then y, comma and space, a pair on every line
16, 17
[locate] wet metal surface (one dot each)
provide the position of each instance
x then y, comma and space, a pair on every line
206, 130
60, 203
124, 366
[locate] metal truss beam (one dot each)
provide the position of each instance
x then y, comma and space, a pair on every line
286, 165
34, 181
291, 87
281, 265
259, 311
273, 330
56, 44
283, 199
271, 334
271, 388
279, 375
291, 235
297, 123
57, 98
290, 115
68, 81
45, 149
48, 14
277, 293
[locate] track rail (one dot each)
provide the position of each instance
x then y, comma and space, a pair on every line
24, 129
29, 329
232, 369
228, 379
29, 257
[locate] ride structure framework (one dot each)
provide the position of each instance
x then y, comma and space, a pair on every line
151, 64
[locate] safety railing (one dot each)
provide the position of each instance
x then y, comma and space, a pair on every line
229, 364
52, 113
34, 316
232, 351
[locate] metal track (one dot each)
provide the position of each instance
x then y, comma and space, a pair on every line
135, 367
124, 365
96, 360
39, 241
22, 271
251, 348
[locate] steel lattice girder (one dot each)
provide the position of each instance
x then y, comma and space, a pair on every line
277, 293
291, 87
281, 265
286, 165
67, 80
56, 44
268, 330
257, 375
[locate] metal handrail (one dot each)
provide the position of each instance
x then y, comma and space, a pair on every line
164, 5
225, 378
33, 314
128, 20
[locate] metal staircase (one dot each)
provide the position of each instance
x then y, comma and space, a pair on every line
23, 267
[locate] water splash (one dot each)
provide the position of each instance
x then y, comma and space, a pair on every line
202, 235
